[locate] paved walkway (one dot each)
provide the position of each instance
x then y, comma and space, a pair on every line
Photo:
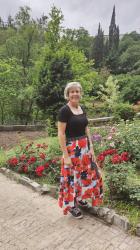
30, 221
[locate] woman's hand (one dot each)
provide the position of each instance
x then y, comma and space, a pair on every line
67, 160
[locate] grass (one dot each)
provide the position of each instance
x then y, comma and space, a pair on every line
3, 157
131, 211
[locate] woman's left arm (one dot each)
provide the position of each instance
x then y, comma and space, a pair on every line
91, 150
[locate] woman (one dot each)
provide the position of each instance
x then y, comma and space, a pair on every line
80, 177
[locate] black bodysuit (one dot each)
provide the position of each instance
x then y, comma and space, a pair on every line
76, 124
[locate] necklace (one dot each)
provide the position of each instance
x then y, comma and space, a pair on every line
76, 110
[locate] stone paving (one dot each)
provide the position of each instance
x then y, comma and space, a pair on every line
31, 221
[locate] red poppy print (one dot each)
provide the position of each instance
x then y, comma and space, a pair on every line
77, 180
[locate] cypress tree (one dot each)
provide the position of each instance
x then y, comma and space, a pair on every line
99, 47
113, 32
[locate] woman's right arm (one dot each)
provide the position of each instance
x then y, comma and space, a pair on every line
62, 142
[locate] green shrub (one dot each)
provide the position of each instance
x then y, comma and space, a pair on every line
36, 161
127, 138
54, 148
134, 194
116, 178
124, 111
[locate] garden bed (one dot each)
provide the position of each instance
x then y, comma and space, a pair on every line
10, 139
117, 152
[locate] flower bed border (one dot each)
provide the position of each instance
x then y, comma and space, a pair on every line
104, 213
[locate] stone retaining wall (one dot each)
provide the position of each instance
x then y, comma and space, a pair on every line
22, 127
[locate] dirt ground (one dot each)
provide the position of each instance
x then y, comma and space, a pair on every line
11, 138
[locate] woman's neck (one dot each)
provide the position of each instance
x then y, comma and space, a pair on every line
73, 105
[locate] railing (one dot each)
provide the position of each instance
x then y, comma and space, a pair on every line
101, 121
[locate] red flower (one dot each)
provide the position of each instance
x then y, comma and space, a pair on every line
100, 157
39, 170
32, 160
22, 157
46, 165
54, 161
38, 145
13, 161
109, 152
116, 159
82, 143
125, 156
25, 169
42, 156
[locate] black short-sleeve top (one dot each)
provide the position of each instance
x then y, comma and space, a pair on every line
75, 124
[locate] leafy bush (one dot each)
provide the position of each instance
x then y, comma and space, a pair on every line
124, 111
34, 161
134, 194
127, 138
118, 151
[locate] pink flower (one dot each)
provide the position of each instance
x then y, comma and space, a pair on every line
109, 137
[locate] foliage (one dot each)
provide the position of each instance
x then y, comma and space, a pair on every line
128, 209
109, 93
42, 53
129, 86
113, 33
3, 157
35, 161
124, 111
99, 48
9, 81
129, 53
117, 179
56, 71
129, 135
118, 152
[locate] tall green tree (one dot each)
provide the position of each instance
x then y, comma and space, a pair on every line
54, 75
112, 58
53, 33
113, 33
129, 54
99, 48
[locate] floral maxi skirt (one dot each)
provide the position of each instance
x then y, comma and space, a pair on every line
81, 180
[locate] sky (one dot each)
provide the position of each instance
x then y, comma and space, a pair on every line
82, 13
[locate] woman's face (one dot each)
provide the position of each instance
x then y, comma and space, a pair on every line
74, 95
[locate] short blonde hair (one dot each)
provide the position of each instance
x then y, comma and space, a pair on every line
71, 85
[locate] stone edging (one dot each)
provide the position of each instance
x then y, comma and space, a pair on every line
7, 128
108, 215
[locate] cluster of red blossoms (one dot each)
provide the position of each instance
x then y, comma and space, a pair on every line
116, 158
32, 158
13, 161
